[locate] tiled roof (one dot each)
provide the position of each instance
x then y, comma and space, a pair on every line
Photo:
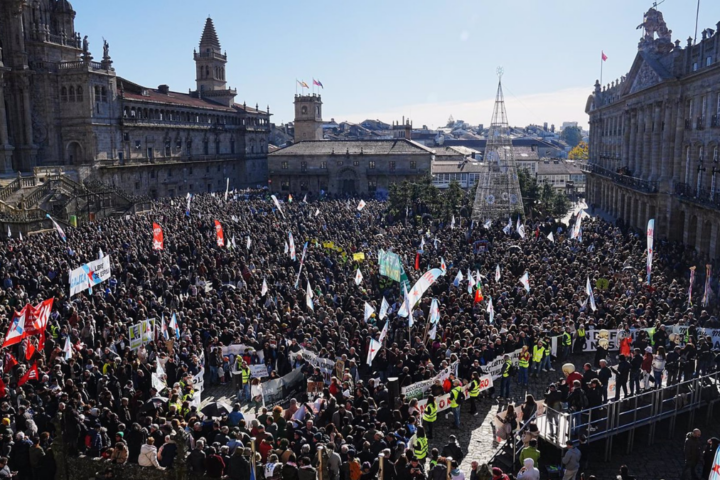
455, 167
559, 168
209, 36
355, 147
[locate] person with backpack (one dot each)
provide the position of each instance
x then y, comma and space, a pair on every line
457, 397
430, 416
506, 375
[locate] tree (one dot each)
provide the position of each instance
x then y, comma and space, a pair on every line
529, 189
580, 152
571, 135
560, 205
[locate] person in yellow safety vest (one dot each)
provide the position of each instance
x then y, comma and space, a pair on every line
430, 415
524, 366
54, 331
537, 357
474, 390
421, 445
455, 401
579, 339
505, 377
245, 393
566, 344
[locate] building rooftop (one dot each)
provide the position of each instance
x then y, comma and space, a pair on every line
354, 147
209, 36
557, 167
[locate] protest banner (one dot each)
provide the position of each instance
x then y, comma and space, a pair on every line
390, 265
258, 371
135, 336
89, 275
359, 257
418, 390
443, 401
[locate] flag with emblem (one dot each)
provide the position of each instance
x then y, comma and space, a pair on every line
277, 204
158, 238
458, 278
591, 297
488, 224
67, 349
521, 230
373, 349
309, 297
220, 236
525, 280
164, 328
369, 311
443, 266
174, 326
264, 288
187, 208
384, 332
31, 374
384, 307
57, 227
9, 362
478, 296
715, 469
16, 332
507, 228
291, 242
434, 311
361, 205
433, 332
497, 273
491, 310
358, 277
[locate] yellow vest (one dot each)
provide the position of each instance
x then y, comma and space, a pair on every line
421, 448
567, 339
524, 362
245, 376
454, 394
430, 413
538, 353
474, 388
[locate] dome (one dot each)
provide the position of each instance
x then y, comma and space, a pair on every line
64, 6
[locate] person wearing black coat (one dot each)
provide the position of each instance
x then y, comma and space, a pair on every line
604, 375
238, 467
672, 365
623, 372
452, 449
135, 440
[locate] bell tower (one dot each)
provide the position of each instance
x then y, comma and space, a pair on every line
210, 64
308, 118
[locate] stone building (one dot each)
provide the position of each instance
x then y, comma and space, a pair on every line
654, 138
62, 108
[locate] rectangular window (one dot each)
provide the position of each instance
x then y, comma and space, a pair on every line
284, 165
708, 61
206, 148
323, 165
372, 186
167, 149
392, 165
190, 170
413, 164
152, 174
137, 185
178, 145
285, 185
356, 163
150, 153
121, 157
217, 148
371, 164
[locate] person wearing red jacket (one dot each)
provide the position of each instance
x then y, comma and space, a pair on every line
646, 367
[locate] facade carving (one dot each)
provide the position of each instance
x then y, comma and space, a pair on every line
655, 139
61, 108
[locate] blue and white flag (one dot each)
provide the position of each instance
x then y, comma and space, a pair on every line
491, 310
497, 273
174, 326
470, 280
369, 311
434, 311
57, 227
309, 297
591, 297
458, 278
384, 307
291, 242
525, 280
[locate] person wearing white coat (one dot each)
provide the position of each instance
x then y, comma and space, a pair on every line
148, 455
528, 472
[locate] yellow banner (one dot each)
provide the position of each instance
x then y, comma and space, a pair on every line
330, 245
358, 257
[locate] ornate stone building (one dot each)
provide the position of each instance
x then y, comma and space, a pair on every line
654, 138
63, 108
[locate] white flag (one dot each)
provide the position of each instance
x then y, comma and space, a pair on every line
264, 288
434, 311
309, 297
373, 350
588, 290
408, 306
100, 254
384, 307
68, 348
497, 273
232, 241
291, 242
9, 233
384, 332
21, 237
317, 212
452, 222
358, 277
227, 188
422, 245
249, 242
443, 266
507, 228
491, 310
361, 205
525, 280
305, 198
287, 249
369, 310
551, 237
277, 204
458, 278
433, 332
521, 231
235, 218
470, 280
488, 224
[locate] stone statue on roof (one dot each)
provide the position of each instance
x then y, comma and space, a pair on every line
86, 45
106, 49
654, 23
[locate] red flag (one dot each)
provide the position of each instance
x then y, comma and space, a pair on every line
220, 234
29, 351
2, 388
37, 318
31, 374
604, 57
158, 238
537, 233
9, 362
417, 261
478, 296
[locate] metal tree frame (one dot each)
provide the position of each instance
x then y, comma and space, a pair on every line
498, 192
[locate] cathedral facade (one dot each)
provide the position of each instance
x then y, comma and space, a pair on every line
655, 139
63, 107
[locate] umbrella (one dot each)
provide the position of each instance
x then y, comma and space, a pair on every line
216, 409
153, 403
515, 248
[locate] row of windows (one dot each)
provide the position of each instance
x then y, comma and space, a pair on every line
463, 178
190, 117
188, 147
371, 164
71, 94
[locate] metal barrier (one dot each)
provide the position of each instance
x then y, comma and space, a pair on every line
513, 441
626, 415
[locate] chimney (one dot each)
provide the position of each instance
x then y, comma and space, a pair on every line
408, 130
164, 89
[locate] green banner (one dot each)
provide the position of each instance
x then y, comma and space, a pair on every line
391, 267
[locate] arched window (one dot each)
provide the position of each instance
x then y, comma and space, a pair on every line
303, 110
79, 94
64, 94
701, 152
71, 95
716, 154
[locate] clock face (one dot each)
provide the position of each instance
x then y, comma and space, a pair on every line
513, 199
490, 199
505, 196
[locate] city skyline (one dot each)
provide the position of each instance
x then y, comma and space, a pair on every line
389, 61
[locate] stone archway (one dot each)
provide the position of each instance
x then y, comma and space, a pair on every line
74, 154
691, 234
347, 181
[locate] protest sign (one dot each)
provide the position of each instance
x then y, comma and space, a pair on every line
89, 275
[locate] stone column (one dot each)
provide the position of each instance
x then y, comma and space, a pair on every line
678, 170
647, 144
656, 142
666, 148
5, 147
632, 146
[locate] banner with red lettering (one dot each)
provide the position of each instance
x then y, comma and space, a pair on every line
37, 318
158, 238
443, 401
220, 234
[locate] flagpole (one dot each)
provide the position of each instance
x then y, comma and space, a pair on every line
601, 65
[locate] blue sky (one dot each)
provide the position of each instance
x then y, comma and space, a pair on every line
385, 59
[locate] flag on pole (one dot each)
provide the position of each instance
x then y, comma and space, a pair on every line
277, 204
417, 261
525, 280
287, 249
706, 295
309, 297
21, 237
497, 273
361, 205
491, 310
470, 280
232, 242
158, 237
358, 277
591, 297
317, 212
384, 307
406, 306
264, 289
692, 281
16, 332
650, 235
487, 224
384, 332
452, 222
289, 198
458, 278
249, 242
521, 231
478, 296
551, 237
174, 326
31, 374
291, 242
507, 228
100, 254
9, 362
9, 233
220, 236
163, 328
227, 188
187, 209
68, 348
434, 311
373, 350
433, 332
318, 83
369, 311
302, 84
715, 469
57, 227
305, 198
604, 57
443, 266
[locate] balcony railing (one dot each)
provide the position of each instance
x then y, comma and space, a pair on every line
700, 196
623, 179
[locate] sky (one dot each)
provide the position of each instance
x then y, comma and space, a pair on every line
379, 59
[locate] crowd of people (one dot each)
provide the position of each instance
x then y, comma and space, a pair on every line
99, 399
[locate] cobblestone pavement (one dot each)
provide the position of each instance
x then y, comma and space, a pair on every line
662, 460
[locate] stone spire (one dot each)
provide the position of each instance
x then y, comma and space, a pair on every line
209, 37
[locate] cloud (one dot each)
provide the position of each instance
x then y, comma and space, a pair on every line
567, 105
